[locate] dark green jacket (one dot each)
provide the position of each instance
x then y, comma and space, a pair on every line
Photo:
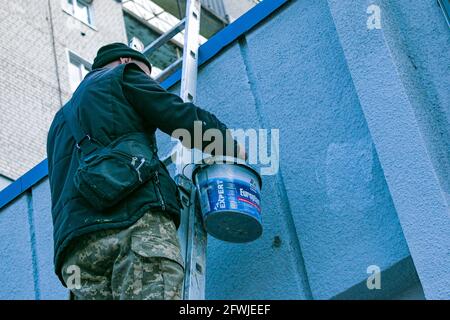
112, 102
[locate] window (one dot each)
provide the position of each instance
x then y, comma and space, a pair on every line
78, 69
80, 9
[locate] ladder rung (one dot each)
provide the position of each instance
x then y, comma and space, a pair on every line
167, 71
165, 37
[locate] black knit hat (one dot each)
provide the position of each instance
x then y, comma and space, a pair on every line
114, 51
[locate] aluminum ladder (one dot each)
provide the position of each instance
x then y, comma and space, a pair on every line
191, 231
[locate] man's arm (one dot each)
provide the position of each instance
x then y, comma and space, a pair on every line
167, 111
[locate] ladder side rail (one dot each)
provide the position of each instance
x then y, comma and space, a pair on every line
192, 233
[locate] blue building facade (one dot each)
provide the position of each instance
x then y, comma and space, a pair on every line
360, 93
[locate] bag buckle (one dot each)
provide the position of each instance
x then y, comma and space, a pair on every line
133, 163
81, 141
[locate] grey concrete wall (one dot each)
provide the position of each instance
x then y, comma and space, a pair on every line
4, 182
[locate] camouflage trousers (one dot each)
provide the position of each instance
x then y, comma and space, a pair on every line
142, 262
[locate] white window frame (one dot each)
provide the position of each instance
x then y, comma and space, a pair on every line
72, 9
76, 60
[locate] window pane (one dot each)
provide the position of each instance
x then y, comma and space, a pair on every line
78, 69
82, 11
84, 71
68, 5
74, 76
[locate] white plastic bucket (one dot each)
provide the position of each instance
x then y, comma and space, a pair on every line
230, 199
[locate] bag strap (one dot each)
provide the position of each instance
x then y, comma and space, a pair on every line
83, 140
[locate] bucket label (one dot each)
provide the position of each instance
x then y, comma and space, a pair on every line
224, 194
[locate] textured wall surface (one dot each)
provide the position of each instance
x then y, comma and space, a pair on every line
409, 126
16, 254
34, 75
362, 179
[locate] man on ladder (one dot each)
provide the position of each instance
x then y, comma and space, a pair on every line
131, 250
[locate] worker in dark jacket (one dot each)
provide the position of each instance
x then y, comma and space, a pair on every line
130, 250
